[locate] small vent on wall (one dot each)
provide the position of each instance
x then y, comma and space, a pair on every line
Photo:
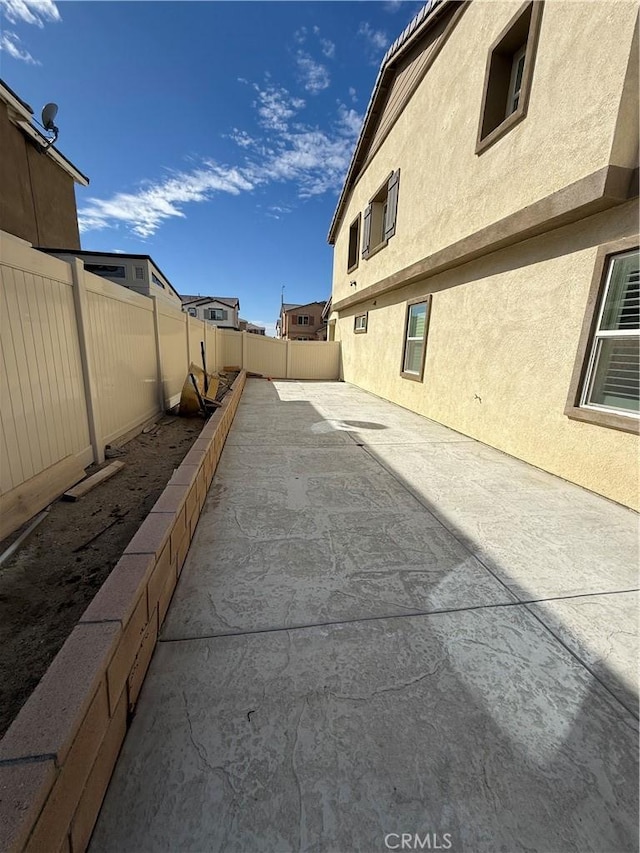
139, 273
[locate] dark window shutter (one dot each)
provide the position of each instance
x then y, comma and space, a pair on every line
225, 314
311, 321
366, 232
392, 205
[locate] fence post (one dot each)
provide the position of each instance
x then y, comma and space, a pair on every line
288, 370
87, 360
242, 351
188, 324
160, 369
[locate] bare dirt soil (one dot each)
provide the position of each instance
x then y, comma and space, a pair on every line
46, 586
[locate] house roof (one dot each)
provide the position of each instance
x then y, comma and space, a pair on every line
420, 24
22, 116
306, 305
79, 253
231, 301
287, 306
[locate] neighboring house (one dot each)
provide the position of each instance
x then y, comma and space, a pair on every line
37, 200
251, 328
136, 272
486, 237
300, 322
221, 311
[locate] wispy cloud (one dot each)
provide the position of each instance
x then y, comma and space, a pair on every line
242, 138
143, 212
314, 76
376, 38
327, 46
10, 43
392, 5
353, 94
276, 211
36, 12
275, 106
314, 161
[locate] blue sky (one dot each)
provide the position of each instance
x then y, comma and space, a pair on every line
216, 135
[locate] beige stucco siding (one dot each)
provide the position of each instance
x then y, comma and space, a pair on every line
505, 329
447, 192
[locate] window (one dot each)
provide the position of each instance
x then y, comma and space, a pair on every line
218, 314
304, 320
508, 76
106, 270
380, 216
612, 381
139, 273
354, 244
156, 280
515, 84
360, 323
415, 339
605, 387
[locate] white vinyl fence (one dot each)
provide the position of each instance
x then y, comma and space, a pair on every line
85, 361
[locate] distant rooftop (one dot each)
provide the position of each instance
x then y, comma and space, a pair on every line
231, 301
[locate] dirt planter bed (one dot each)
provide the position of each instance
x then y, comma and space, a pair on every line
58, 755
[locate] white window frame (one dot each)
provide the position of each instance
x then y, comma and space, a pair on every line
193, 312
303, 320
514, 94
360, 323
599, 335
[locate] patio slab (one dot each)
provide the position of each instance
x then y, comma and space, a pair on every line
478, 725
418, 636
611, 654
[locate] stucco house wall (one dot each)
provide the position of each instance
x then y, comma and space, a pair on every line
135, 272
203, 307
37, 202
292, 330
505, 241
447, 192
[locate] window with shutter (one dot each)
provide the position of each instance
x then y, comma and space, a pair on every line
612, 381
391, 211
225, 314
366, 235
139, 273
380, 216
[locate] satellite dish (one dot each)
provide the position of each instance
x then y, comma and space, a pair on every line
49, 112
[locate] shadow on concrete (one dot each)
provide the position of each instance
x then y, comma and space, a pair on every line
477, 722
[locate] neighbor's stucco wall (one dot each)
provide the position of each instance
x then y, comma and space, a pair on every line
505, 329
37, 199
447, 192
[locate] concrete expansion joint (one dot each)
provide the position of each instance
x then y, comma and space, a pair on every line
286, 628
29, 759
583, 664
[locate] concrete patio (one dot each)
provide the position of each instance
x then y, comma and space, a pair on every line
385, 627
